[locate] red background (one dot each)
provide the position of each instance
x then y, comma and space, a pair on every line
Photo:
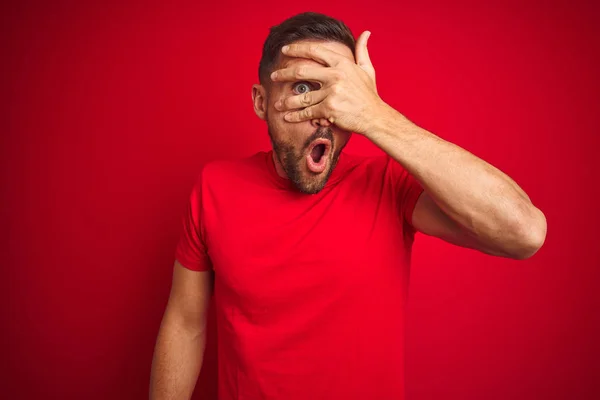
110, 109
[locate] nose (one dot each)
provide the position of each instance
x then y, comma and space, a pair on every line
317, 122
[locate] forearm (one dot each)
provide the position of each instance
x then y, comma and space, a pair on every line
177, 361
482, 199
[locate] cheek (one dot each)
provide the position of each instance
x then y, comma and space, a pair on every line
276, 116
283, 131
274, 98
290, 131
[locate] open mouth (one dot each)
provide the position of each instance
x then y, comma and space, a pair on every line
318, 154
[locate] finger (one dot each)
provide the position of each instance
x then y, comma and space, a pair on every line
363, 60
313, 51
301, 101
362, 53
303, 72
306, 114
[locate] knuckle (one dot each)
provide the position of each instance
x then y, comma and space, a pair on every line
328, 103
300, 72
305, 98
338, 75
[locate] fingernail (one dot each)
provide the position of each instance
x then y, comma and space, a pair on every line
285, 48
274, 75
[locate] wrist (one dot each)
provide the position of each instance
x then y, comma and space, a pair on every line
386, 120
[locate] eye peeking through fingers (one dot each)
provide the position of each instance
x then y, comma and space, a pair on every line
304, 87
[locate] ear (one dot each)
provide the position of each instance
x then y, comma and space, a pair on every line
259, 99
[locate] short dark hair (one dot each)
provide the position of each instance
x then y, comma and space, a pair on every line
304, 26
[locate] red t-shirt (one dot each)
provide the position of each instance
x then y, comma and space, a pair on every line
310, 290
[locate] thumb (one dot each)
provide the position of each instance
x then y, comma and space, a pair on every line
362, 56
362, 53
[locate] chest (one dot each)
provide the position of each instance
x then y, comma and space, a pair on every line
271, 250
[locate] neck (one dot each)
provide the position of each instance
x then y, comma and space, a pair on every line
278, 167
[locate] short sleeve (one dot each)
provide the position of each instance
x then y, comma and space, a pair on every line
191, 249
406, 188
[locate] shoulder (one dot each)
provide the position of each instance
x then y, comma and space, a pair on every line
374, 166
353, 162
382, 174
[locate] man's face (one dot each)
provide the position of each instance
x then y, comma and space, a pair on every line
309, 150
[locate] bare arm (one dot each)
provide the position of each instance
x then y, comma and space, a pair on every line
467, 201
182, 336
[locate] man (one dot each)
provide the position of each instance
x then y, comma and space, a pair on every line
310, 246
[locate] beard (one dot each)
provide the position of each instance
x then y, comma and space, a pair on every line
292, 161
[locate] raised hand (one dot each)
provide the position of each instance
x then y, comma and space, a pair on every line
348, 94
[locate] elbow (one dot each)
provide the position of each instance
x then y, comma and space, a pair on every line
531, 235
